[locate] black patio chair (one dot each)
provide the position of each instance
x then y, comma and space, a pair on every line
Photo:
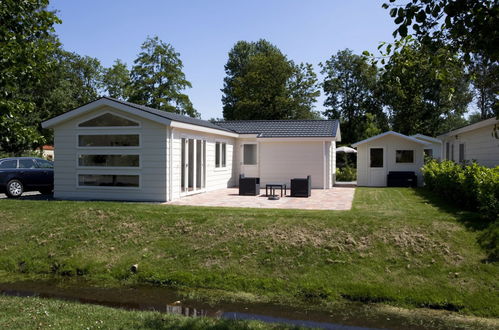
301, 187
249, 186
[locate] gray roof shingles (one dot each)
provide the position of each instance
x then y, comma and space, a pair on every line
283, 128
263, 128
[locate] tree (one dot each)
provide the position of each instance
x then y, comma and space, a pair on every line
73, 81
261, 83
469, 26
425, 89
485, 78
116, 80
351, 89
158, 80
26, 42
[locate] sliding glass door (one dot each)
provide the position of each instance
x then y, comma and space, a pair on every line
193, 160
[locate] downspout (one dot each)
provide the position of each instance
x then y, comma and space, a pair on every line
324, 160
170, 166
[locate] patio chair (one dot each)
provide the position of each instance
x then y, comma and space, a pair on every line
249, 186
301, 187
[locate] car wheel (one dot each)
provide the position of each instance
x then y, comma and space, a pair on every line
14, 189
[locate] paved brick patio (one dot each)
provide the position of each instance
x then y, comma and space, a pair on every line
338, 198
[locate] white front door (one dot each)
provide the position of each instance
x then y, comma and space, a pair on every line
377, 167
193, 171
249, 159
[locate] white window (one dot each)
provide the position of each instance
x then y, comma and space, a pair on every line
108, 180
109, 120
249, 154
109, 160
220, 154
404, 156
109, 140
461, 153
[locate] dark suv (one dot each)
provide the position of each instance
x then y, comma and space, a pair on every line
21, 174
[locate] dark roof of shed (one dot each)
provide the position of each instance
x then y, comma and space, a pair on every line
283, 128
170, 115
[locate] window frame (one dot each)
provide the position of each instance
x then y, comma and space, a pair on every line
256, 154
383, 155
100, 172
221, 160
109, 147
413, 156
108, 127
114, 152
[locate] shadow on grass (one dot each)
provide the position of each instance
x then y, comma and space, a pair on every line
488, 239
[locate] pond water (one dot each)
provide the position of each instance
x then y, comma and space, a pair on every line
167, 300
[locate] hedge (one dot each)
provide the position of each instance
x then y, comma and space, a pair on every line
472, 186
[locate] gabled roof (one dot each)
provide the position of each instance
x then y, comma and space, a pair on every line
261, 128
405, 137
427, 138
471, 127
160, 116
283, 128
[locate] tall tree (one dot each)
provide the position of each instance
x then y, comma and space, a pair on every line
468, 26
158, 80
261, 83
116, 80
485, 79
350, 86
26, 42
425, 89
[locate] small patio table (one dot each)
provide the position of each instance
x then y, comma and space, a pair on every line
273, 186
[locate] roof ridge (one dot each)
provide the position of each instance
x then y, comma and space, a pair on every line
273, 120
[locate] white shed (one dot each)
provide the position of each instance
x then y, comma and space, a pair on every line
389, 151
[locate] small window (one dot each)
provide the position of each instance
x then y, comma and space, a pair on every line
26, 163
376, 157
12, 163
113, 140
220, 154
44, 163
461, 152
404, 156
109, 160
108, 120
108, 180
249, 154
428, 153
452, 152
447, 153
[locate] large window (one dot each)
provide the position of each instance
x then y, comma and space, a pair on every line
404, 156
108, 120
108, 180
109, 160
220, 154
461, 152
249, 154
109, 140
27, 163
376, 157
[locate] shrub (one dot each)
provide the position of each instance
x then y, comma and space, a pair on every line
346, 174
472, 186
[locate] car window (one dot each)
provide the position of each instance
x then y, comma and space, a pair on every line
26, 163
44, 163
8, 163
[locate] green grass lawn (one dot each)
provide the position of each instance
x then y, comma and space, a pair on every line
396, 246
35, 313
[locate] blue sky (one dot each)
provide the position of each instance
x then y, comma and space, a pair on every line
203, 32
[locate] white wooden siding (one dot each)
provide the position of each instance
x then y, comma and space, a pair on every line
479, 145
282, 161
152, 158
390, 143
216, 178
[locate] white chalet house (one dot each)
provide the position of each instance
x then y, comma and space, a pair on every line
115, 150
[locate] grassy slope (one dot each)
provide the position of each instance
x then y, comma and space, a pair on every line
395, 246
35, 313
